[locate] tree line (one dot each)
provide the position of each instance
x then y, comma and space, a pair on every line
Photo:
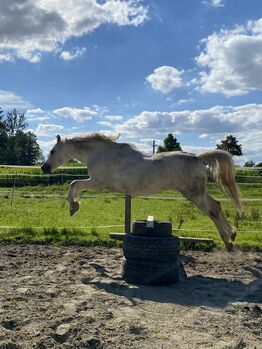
20, 147
17, 146
230, 144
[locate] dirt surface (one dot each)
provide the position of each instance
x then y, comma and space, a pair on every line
70, 297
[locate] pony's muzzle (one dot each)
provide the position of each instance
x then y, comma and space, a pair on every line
46, 168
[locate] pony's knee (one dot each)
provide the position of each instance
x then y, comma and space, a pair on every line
73, 187
71, 191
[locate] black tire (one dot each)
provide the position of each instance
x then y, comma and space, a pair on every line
146, 273
160, 229
151, 249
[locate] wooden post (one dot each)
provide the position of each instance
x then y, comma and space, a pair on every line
127, 214
13, 191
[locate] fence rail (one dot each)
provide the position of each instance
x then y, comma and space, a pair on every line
94, 196
16, 181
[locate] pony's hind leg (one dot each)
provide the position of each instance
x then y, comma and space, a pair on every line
230, 229
75, 187
212, 209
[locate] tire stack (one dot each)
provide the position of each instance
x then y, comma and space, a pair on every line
151, 254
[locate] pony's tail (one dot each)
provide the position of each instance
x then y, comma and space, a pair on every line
222, 168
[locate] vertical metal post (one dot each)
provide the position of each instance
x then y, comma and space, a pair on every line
127, 214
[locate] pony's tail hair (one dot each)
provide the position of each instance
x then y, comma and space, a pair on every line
222, 168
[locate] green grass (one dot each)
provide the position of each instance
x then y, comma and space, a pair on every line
46, 220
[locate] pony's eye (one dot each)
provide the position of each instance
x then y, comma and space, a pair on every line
52, 152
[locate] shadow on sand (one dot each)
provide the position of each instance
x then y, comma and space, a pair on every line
198, 290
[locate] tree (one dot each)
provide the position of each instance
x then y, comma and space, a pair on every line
3, 138
249, 163
17, 147
170, 144
26, 148
14, 122
230, 144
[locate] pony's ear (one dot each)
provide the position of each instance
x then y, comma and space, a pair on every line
58, 139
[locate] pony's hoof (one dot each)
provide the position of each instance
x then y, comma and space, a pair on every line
229, 246
233, 237
74, 207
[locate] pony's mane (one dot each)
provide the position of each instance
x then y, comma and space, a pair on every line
95, 136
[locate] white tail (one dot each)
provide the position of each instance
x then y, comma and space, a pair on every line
222, 168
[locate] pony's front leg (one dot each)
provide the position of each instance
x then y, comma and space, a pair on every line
75, 187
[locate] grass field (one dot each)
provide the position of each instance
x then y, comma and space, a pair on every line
45, 219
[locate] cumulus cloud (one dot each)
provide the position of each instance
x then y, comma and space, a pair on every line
105, 123
47, 130
215, 120
217, 3
233, 60
214, 3
114, 117
9, 100
77, 114
37, 114
70, 55
210, 125
29, 28
165, 79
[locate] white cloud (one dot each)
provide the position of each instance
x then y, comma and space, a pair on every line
77, 114
46, 145
47, 130
214, 3
105, 123
68, 56
184, 101
211, 125
217, 3
9, 100
233, 60
129, 12
215, 120
165, 79
203, 135
45, 25
37, 114
114, 117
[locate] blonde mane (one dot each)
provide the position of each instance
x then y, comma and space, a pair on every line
94, 136
99, 137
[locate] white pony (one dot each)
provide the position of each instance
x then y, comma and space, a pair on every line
121, 167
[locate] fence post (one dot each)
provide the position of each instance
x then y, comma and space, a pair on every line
127, 214
62, 185
13, 191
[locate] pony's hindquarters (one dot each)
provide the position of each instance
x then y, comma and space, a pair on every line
222, 168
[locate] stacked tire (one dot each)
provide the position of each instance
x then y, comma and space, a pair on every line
151, 255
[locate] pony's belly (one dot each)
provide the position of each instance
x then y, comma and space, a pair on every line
148, 189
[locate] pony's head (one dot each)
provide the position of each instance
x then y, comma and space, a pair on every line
56, 158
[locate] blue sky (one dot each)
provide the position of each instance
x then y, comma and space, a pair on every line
139, 68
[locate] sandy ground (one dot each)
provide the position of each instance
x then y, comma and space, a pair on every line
71, 297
